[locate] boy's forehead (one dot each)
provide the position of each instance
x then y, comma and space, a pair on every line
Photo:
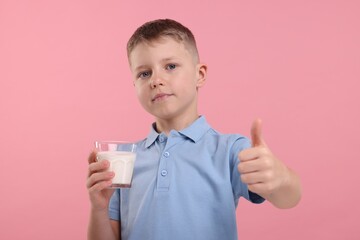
162, 48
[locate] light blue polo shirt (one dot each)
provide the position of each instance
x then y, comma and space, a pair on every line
185, 186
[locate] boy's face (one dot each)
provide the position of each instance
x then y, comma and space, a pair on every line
166, 77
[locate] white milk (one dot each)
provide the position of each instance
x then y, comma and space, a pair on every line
122, 163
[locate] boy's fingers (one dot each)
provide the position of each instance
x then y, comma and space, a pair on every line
250, 178
253, 153
248, 154
249, 166
99, 177
100, 186
256, 134
95, 167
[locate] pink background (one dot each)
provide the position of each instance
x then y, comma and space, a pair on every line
64, 82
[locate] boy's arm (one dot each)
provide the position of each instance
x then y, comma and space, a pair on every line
266, 175
116, 226
101, 227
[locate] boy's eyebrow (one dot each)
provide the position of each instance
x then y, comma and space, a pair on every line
140, 67
168, 59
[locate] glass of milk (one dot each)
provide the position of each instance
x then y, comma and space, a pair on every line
121, 156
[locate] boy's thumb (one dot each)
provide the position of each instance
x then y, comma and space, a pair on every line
256, 133
92, 157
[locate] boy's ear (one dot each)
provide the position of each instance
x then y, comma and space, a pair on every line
201, 74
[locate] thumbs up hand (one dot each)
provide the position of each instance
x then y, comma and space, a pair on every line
260, 169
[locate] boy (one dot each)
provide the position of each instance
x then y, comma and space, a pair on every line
188, 177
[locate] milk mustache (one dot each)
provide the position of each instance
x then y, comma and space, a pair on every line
122, 164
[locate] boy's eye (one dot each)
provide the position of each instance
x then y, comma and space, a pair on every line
170, 66
145, 74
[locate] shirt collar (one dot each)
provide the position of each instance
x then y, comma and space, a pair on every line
152, 136
194, 132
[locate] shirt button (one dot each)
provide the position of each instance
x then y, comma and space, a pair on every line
164, 173
166, 154
161, 138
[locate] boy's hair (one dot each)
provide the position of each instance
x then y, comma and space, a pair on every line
156, 29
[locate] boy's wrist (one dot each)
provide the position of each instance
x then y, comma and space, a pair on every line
99, 211
289, 193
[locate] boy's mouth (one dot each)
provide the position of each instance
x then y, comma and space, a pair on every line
160, 96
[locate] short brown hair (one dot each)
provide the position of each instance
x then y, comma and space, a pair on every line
155, 29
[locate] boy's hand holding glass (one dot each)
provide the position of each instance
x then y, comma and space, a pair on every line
98, 182
121, 157
110, 166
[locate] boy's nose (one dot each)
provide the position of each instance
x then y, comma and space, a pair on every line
156, 80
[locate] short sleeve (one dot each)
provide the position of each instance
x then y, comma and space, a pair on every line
240, 189
114, 206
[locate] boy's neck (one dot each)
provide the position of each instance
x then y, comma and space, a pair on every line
166, 125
